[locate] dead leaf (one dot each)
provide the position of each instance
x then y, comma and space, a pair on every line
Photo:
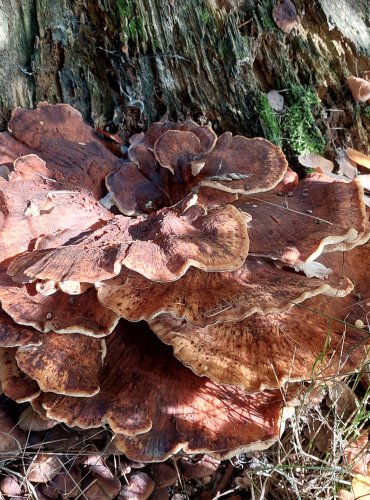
276, 100
319, 434
164, 475
360, 88
198, 468
345, 495
140, 486
355, 454
361, 487
358, 157
343, 399
311, 160
347, 167
30, 420
315, 395
43, 468
365, 181
11, 486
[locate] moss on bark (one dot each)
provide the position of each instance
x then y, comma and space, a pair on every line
126, 63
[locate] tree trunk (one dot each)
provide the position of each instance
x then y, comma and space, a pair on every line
126, 63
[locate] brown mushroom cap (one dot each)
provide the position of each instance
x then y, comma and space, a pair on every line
16, 384
58, 312
64, 364
232, 164
11, 149
185, 148
59, 136
243, 166
264, 352
131, 192
30, 420
210, 197
35, 202
161, 247
316, 339
174, 187
13, 335
156, 405
176, 149
155, 130
205, 298
48, 121
318, 212
144, 186
144, 388
206, 136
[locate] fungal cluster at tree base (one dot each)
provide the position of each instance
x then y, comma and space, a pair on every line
177, 295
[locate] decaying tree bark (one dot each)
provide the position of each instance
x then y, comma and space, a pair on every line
125, 63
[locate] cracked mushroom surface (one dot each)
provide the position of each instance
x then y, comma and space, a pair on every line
208, 249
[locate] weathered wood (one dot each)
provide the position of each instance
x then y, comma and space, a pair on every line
17, 35
125, 63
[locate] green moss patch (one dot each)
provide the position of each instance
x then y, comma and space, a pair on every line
295, 127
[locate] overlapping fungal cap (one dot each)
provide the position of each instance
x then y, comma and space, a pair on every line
144, 389
161, 247
56, 180
58, 135
16, 384
228, 315
206, 298
64, 364
14, 335
131, 192
174, 159
36, 202
36, 128
321, 337
58, 311
296, 227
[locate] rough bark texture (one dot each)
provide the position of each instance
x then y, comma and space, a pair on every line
126, 63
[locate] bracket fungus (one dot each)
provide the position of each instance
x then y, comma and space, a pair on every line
208, 254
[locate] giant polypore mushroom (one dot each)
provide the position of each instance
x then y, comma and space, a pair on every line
210, 249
